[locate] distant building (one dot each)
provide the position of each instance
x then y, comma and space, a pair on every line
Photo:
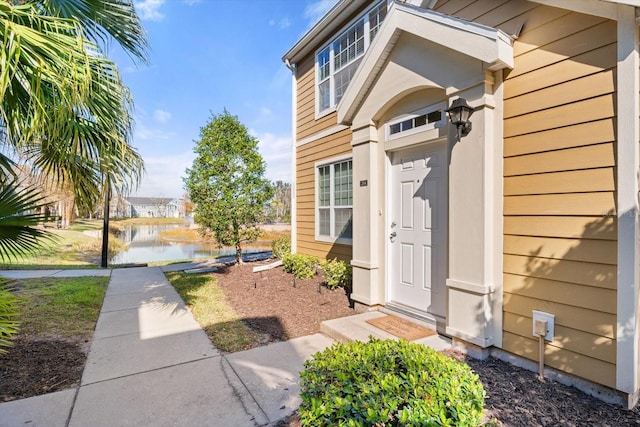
146, 207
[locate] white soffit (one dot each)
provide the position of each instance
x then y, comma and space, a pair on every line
489, 45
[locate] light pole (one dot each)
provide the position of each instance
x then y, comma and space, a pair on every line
105, 225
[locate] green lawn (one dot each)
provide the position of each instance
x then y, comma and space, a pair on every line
205, 299
67, 307
72, 248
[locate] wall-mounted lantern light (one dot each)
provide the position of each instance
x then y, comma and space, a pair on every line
459, 114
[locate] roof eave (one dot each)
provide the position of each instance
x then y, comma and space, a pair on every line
322, 29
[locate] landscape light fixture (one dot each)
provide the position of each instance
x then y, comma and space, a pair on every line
459, 114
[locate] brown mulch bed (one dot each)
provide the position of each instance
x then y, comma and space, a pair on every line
274, 305
38, 365
275, 308
516, 397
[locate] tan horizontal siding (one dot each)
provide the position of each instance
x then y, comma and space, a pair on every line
585, 250
561, 204
562, 226
588, 110
325, 250
559, 167
307, 156
305, 108
451, 7
556, 139
590, 62
306, 200
580, 342
573, 363
554, 30
478, 8
550, 106
340, 140
570, 316
510, 16
589, 297
565, 93
580, 273
588, 157
317, 126
579, 181
576, 44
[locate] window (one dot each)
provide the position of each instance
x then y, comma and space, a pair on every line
428, 118
336, 63
335, 200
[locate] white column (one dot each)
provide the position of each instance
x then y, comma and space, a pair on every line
474, 284
627, 201
366, 211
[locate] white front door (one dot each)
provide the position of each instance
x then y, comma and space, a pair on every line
417, 230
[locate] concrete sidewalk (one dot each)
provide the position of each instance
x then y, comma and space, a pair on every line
151, 364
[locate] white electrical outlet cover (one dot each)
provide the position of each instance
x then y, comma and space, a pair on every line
549, 318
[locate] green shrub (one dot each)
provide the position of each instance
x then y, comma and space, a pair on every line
388, 383
281, 246
337, 274
8, 318
301, 266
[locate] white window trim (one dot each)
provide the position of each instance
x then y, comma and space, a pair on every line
367, 41
429, 126
328, 162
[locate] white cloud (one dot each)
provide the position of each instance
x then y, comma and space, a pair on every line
276, 152
316, 10
149, 10
191, 2
146, 133
161, 116
164, 174
282, 24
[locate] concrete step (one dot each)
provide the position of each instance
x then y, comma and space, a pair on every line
356, 328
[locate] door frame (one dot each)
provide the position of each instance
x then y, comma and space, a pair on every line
428, 144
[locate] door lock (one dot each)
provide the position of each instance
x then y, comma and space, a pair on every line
392, 235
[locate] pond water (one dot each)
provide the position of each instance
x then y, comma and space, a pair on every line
144, 245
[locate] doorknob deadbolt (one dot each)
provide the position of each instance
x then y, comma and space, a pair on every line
392, 235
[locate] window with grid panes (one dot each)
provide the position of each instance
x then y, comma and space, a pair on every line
336, 63
335, 200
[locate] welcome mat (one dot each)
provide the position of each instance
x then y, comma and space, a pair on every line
401, 328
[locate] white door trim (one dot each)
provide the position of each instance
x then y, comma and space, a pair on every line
440, 143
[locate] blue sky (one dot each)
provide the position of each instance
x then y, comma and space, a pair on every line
205, 56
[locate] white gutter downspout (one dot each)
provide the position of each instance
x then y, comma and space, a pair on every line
628, 110
294, 103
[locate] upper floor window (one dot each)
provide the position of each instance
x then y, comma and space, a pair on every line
337, 62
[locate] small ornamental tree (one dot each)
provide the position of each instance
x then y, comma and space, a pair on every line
226, 182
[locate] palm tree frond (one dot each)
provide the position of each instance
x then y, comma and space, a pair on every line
20, 213
104, 20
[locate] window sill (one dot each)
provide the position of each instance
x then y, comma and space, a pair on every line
324, 113
325, 239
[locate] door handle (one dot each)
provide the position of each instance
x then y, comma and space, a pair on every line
392, 235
